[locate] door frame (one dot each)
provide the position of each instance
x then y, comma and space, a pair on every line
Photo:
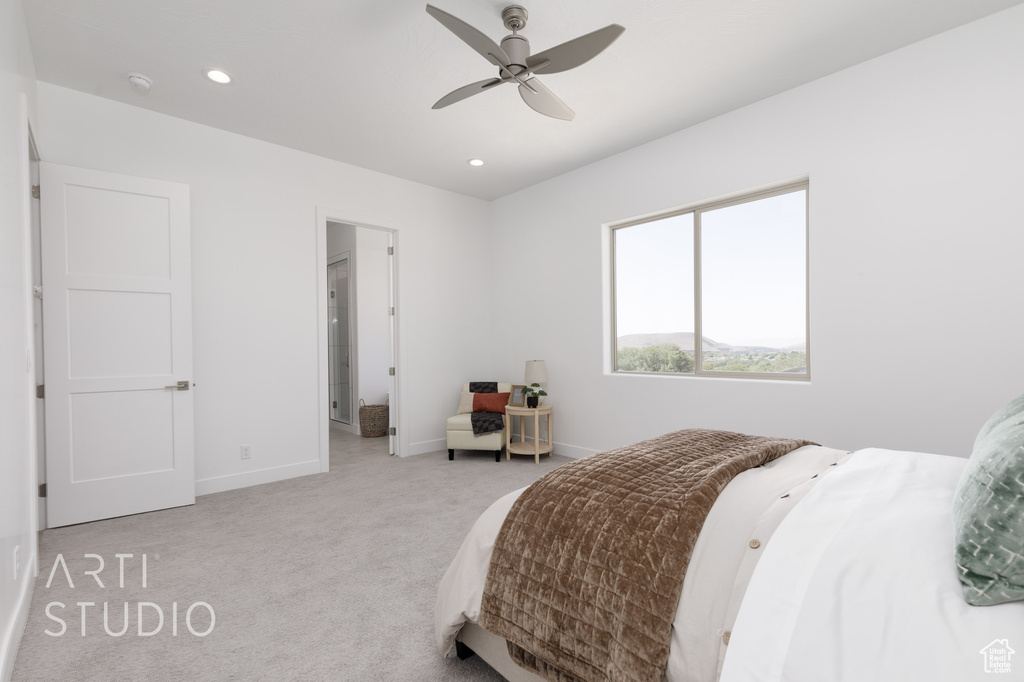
31, 226
19, 607
323, 216
35, 271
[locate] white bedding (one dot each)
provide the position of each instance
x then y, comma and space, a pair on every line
859, 584
750, 507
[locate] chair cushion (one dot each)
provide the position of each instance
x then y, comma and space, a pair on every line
460, 422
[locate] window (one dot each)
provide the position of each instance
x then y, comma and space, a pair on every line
718, 289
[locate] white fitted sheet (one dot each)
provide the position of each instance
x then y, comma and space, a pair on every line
859, 583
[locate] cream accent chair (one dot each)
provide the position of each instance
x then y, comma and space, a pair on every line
461, 436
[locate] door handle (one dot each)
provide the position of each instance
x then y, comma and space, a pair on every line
180, 386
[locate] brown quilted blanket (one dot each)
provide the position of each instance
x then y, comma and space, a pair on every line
588, 567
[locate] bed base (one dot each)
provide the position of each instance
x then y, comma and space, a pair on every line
493, 650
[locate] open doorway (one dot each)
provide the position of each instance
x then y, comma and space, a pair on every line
358, 293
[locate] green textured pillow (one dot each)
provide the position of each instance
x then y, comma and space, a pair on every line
988, 511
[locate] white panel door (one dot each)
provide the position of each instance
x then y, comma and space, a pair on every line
117, 316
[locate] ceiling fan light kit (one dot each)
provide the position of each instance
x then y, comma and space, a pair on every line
516, 65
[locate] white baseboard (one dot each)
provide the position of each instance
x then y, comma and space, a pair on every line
573, 451
219, 484
564, 449
426, 446
12, 634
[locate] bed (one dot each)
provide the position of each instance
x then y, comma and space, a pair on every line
818, 565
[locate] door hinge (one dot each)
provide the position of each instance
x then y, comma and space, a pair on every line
37, 291
391, 371
42, 490
391, 310
392, 431
35, 191
41, 391
391, 249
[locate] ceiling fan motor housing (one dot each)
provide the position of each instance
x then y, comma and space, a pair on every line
517, 48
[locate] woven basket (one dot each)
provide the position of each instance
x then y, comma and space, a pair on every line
373, 420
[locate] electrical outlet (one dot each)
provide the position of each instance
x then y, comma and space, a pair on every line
246, 451
17, 562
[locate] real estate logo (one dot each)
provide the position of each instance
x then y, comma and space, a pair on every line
149, 615
997, 656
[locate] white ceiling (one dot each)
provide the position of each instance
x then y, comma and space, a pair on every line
354, 80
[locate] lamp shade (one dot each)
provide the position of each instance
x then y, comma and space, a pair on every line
536, 372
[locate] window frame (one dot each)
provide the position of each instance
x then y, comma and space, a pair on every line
697, 209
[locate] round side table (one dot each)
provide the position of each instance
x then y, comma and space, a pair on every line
535, 447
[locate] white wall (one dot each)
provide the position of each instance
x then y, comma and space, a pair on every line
916, 236
17, 440
255, 274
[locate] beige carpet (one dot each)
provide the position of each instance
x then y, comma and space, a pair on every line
325, 577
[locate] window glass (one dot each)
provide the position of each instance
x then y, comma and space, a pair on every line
654, 296
754, 285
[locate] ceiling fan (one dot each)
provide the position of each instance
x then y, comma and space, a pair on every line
515, 64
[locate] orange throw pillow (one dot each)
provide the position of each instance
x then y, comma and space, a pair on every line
490, 402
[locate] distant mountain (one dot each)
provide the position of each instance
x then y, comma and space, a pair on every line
685, 341
682, 339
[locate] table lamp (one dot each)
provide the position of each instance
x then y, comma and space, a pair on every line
536, 373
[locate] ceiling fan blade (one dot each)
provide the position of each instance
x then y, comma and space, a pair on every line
467, 91
490, 50
544, 101
572, 53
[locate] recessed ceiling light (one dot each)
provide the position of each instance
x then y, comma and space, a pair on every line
475, 162
217, 76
